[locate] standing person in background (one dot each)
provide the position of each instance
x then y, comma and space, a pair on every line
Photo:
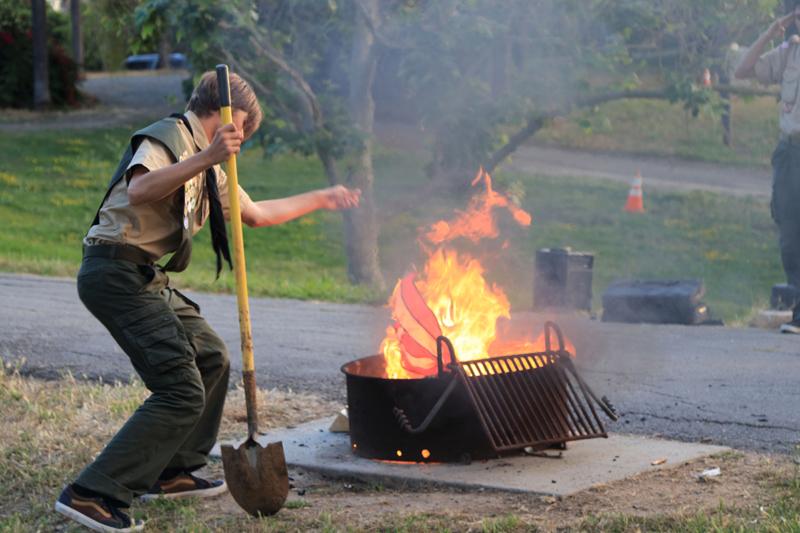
781, 65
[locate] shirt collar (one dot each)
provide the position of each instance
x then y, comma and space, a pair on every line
198, 132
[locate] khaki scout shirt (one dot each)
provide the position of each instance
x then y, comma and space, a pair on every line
782, 65
155, 227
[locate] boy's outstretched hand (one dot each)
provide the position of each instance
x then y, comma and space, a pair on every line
339, 197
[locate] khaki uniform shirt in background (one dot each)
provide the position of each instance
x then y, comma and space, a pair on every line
782, 65
156, 227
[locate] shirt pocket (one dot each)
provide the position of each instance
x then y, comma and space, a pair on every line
789, 88
156, 335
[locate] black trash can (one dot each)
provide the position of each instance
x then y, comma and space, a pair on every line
562, 279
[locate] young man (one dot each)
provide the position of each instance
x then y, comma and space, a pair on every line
166, 187
782, 66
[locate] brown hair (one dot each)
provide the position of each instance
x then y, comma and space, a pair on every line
205, 100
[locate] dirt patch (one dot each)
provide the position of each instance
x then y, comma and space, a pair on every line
276, 409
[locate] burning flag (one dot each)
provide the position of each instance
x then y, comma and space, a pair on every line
451, 297
416, 327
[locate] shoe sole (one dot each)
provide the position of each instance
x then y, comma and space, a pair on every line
790, 329
201, 493
84, 520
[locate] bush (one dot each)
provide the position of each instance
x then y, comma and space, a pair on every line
16, 58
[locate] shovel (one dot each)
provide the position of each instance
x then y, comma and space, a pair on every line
256, 476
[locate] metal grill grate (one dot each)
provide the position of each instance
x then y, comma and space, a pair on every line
535, 399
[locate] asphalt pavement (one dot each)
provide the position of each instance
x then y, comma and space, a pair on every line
731, 386
657, 172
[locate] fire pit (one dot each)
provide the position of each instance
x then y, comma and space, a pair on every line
474, 409
450, 384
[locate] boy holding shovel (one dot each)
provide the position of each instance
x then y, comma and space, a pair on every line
166, 187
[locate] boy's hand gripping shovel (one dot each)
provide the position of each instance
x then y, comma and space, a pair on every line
257, 476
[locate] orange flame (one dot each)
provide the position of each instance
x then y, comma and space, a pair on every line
452, 286
500, 347
478, 221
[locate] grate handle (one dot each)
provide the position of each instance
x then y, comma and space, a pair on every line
550, 328
441, 341
405, 423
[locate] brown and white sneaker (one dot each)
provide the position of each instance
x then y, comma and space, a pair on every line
95, 513
185, 486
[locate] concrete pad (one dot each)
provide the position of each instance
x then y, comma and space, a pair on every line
583, 465
770, 319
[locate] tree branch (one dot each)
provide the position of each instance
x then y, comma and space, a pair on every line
262, 47
745, 91
273, 55
373, 26
535, 123
261, 88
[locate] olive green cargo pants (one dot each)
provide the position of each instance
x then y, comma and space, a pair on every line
180, 359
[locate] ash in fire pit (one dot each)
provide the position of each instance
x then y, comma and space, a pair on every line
476, 409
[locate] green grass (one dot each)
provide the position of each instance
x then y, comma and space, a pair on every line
51, 183
783, 514
659, 128
728, 242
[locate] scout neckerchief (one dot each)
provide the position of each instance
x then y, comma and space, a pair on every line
219, 237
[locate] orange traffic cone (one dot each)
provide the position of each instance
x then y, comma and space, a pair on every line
635, 203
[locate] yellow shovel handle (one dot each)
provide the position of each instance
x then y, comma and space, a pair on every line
248, 365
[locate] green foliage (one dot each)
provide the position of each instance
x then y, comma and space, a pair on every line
471, 70
539, 59
311, 35
16, 58
108, 27
553, 56
686, 35
154, 21
694, 98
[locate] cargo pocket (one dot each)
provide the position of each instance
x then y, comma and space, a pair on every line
156, 335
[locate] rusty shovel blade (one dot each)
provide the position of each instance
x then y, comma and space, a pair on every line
257, 476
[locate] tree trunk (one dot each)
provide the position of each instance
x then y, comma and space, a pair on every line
41, 85
164, 49
77, 33
360, 225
